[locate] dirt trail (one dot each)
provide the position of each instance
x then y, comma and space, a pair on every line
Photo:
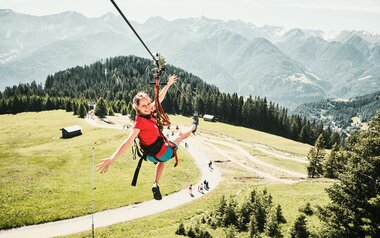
242, 152
265, 149
249, 168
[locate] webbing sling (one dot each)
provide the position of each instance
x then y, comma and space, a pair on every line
173, 146
140, 153
160, 111
137, 170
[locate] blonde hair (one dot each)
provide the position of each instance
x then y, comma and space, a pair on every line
137, 99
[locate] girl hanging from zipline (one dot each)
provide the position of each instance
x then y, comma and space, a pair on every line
156, 147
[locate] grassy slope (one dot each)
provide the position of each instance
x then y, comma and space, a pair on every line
162, 225
46, 178
248, 135
237, 183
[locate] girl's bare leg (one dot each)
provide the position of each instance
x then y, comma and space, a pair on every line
159, 169
183, 135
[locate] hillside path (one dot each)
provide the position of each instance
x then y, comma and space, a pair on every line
243, 153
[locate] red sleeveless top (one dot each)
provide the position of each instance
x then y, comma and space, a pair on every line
148, 130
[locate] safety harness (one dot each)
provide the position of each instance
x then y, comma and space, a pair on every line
157, 148
161, 117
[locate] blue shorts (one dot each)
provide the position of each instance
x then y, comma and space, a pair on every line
165, 154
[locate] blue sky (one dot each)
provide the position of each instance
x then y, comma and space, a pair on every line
317, 14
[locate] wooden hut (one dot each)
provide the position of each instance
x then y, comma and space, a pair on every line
71, 131
207, 117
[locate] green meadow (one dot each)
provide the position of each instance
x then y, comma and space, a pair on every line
247, 135
290, 197
45, 178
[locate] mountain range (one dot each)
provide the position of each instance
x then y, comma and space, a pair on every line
288, 66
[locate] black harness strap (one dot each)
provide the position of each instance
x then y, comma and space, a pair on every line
143, 153
142, 156
137, 171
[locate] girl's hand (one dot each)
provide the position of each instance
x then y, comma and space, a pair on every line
172, 79
104, 164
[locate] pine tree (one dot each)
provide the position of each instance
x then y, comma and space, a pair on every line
230, 232
279, 216
2, 106
180, 230
220, 211
334, 138
330, 163
191, 233
49, 104
326, 137
206, 234
82, 110
229, 216
315, 157
267, 200
272, 228
124, 110
111, 111
75, 107
306, 209
244, 215
132, 114
101, 108
252, 227
354, 210
305, 134
69, 106
299, 228
260, 213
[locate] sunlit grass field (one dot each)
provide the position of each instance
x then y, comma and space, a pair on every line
237, 183
290, 197
46, 178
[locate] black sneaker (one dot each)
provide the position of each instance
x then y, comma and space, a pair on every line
156, 192
195, 122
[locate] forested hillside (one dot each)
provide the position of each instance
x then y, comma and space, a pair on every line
340, 114
117, 80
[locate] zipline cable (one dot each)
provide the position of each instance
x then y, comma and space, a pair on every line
160, 66
133, 29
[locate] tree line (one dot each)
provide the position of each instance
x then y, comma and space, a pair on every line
254, 216
354, 210
114, 81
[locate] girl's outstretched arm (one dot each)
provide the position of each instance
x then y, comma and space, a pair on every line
164, 90
104, 164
